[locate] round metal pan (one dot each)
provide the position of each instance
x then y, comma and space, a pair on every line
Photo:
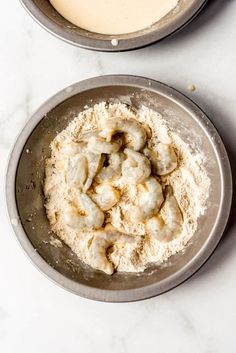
25, 199
44, 13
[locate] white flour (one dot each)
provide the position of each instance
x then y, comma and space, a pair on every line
189, 181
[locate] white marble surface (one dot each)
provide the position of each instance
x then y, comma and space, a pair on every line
35, 315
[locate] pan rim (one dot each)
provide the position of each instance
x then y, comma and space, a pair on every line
166, 284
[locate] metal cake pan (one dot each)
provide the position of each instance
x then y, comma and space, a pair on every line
26, 202
44, 13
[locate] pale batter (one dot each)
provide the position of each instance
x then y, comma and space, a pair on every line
114, 16
121, 201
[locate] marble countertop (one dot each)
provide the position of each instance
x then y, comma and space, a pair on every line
37, 316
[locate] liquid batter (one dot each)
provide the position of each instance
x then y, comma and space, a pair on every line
114, 16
